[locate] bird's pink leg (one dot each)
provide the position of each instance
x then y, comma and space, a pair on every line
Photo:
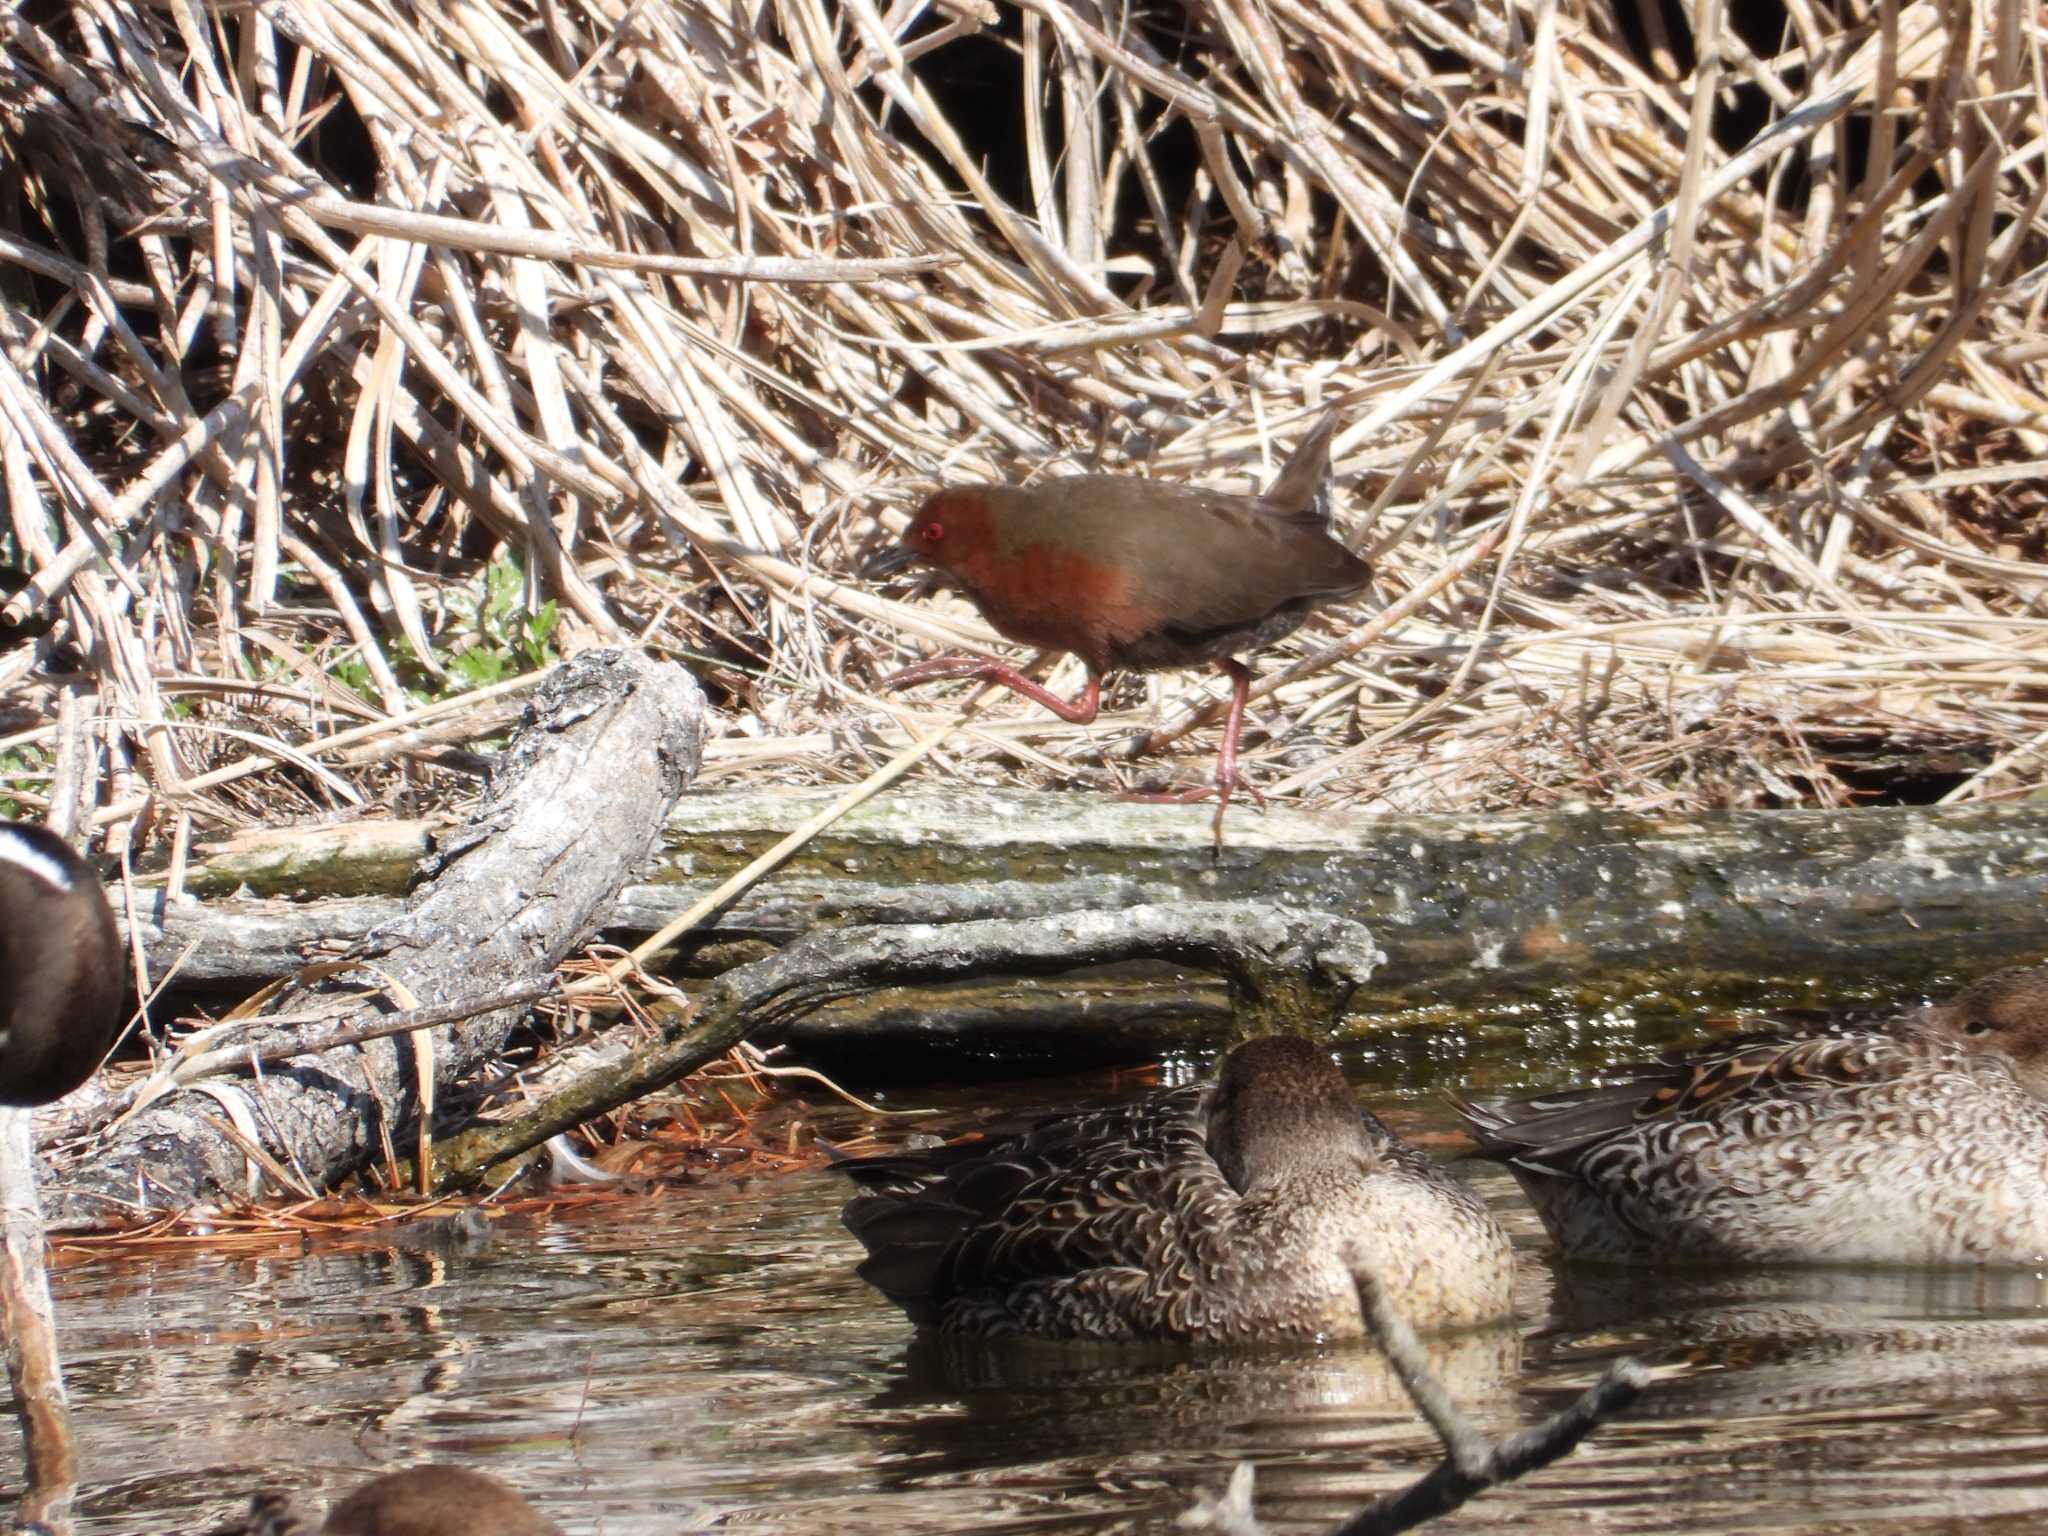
1080, 711
1240, 677
1227, 777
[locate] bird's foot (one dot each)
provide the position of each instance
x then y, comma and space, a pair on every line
1195, 794
938, 667
1221, 792
1079, 711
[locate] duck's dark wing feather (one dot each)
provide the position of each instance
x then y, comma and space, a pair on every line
1556, 1129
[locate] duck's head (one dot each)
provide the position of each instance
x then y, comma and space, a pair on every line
420, 1501
60, 968
435, 1501
2005, 1013
1281, 1107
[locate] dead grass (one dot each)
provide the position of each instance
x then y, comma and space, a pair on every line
728, 1122
1698, 409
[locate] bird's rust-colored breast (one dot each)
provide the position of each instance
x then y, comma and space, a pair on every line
1051, 596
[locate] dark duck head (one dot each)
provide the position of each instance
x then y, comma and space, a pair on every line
60, 968
436, 1501
420, 1501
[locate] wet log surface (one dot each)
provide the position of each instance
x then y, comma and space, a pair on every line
576, 802
1470, 909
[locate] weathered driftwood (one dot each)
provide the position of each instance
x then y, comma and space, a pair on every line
1467, 907
1286, 969
577, 801
28, 1332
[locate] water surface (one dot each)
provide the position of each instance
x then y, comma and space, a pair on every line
703, 1358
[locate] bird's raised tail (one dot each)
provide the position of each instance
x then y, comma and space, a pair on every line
1300, 491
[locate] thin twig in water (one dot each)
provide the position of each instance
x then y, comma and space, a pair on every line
1472, 1463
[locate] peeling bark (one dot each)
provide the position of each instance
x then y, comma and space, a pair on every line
575, 804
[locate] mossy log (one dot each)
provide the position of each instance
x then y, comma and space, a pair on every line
1470, 909
952, 918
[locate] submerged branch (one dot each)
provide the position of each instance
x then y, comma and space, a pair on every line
1472, 1464
1287, 968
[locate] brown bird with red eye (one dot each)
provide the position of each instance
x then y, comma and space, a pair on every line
1138, 575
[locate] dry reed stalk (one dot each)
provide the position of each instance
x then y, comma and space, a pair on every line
1698, 390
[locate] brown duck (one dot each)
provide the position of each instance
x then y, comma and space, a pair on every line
1919, 1136
420, 1501
1222, 1212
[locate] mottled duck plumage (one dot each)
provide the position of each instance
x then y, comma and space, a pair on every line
1916, 1137
1222, 1212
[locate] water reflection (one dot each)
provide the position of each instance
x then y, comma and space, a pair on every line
704, 1358
1077, 1399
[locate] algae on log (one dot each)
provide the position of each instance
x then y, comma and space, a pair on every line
1468, 908
576, 803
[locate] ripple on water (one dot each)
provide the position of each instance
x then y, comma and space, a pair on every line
705, 1358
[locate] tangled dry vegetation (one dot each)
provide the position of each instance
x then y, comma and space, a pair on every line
1695, 365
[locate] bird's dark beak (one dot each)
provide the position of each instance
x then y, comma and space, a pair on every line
886, 562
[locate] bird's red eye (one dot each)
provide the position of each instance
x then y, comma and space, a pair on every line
931, 533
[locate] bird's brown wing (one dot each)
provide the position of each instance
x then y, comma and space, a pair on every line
1231, 570
1204, 560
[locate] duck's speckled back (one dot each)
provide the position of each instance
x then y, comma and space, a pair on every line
1921, 1138
1215, 1213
